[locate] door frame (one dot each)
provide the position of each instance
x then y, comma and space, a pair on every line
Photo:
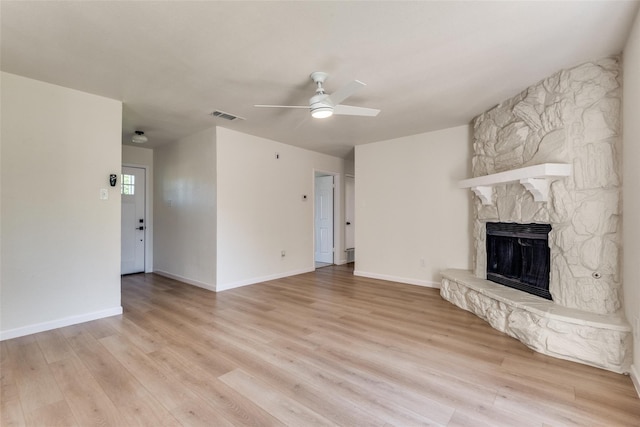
338, 256
148, 213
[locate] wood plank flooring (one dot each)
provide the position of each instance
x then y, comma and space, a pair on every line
323, 348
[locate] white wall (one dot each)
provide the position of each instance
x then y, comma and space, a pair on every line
185, 209
261, 211
137, 156
143, 158
409, 207
350, 163
60, 243
631, 190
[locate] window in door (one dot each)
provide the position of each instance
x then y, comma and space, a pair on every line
127, 184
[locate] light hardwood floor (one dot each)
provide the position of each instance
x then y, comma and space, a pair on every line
323, 348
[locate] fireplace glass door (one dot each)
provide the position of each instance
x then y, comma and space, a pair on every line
518, 256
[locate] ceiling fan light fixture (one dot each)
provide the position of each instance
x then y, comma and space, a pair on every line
322, 112
139, 137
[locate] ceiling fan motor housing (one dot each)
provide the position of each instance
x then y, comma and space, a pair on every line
320, 106
320, 100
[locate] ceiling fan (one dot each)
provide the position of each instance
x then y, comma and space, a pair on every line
323, 105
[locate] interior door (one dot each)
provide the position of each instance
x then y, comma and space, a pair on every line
324, 219
349, 212
133, 230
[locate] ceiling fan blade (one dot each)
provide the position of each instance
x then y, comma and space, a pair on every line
345, 91
348, 110
281, 106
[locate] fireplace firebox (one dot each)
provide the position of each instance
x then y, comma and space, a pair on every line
518, 256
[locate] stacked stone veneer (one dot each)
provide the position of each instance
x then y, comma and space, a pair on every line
571, 117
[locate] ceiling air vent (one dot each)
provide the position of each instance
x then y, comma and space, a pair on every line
226, 116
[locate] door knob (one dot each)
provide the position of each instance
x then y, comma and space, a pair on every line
348, 223
140, 228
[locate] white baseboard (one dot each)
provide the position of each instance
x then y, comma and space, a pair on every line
59, 323
192, 282
254, 280
341, 262
635, 378
408, 281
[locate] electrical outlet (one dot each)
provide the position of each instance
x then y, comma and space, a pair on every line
104, 194
282, 253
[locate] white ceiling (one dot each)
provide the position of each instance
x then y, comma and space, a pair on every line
428, 65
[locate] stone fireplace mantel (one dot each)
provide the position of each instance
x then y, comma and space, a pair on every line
537, 179
566, 333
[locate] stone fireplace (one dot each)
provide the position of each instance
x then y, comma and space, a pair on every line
550, 156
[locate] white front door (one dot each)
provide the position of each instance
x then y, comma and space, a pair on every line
133, 230
324, 219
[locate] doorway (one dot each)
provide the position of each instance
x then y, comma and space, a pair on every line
323, 219
133, 220
349, 214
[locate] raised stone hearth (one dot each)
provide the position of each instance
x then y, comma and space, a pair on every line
571, 118
566, 333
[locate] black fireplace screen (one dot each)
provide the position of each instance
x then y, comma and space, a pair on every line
518, 256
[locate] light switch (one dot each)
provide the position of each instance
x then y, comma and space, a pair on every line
104, 194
